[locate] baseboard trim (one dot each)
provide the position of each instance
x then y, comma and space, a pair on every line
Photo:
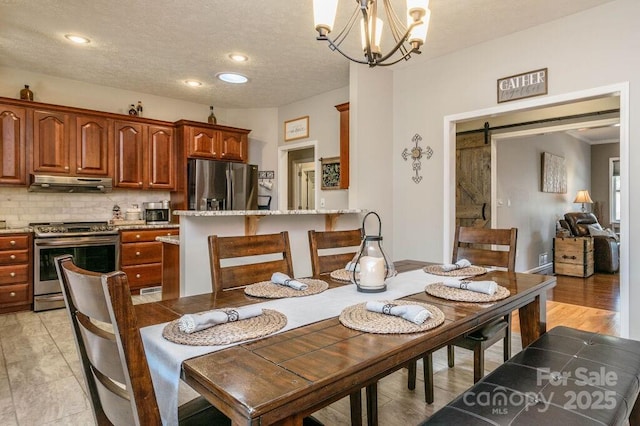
540, 268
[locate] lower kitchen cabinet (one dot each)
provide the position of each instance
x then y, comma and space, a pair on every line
16, 276
141, 256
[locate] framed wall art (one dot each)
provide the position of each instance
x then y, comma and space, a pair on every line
554, 174
330, 173
298, 128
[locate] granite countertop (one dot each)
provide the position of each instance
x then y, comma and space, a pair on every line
146, 226
171, 239
262, 212
15, 230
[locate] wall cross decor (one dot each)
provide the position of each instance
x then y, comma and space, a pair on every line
415, 154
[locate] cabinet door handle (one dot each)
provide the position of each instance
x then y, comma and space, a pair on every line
138, 275
12, 294
79, 168
12, 242
138, 236
12, 274
66, 167
564, 256
140, 183
12, 257
137, 253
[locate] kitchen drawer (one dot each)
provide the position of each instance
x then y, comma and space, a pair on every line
143, 275
12, 257
15, 294
14, 242
146, 235
14, 274
137, 253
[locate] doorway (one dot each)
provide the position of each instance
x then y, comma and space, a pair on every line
297, 166
451, 122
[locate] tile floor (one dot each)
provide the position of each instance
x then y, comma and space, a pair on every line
41, 380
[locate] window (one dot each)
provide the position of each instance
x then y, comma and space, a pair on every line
614, 189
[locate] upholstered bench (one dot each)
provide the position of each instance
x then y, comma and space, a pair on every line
566, 377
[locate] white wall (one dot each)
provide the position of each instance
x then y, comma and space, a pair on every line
371, 123
521, 203
591, 49
324, 127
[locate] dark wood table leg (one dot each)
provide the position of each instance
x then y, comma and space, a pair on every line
356, 408
533, 320
372, 405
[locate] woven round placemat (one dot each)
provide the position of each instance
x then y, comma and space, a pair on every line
359, 318
459, 295
469, 271
342, 275
269, 290
223, 334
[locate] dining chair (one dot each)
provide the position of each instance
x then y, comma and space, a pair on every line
332, 250
111, 352
245, 269
482, 247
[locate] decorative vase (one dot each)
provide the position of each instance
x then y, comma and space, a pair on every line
212, 117
139, 108
133, 110
26, 93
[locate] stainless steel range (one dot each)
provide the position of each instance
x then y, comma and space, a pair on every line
93, 245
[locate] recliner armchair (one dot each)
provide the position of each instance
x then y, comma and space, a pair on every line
606, 249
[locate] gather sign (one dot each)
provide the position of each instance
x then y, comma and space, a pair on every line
525, 85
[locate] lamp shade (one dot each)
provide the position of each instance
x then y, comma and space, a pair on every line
324, 14
583, 197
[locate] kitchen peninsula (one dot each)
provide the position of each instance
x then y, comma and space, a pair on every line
196, 226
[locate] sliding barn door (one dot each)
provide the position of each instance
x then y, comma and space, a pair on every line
473, 181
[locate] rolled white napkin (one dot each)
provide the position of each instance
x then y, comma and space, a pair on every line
284, 279
415, 313
351, 266
190, 323
462, 263
487, 287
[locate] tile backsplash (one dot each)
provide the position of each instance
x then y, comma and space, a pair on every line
19, 207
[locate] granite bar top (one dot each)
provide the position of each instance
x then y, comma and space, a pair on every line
171, 239
262, 212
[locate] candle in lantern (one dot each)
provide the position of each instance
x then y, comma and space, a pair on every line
372, 271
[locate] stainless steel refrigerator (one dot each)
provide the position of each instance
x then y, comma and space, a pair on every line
221, 185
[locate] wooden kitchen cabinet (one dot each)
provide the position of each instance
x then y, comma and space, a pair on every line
344, 145
70, 144
145, 156
213, 142
13, 121
16, 272
141, 256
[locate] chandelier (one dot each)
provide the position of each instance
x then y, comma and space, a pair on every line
408, 38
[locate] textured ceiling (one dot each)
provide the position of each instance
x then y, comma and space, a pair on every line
152, 46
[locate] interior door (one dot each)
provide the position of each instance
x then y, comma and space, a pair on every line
473, 180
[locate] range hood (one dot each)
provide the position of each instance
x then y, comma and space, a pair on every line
45, 183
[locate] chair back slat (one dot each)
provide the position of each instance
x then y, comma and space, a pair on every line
486, 247
109, 344
250, 259
322, 244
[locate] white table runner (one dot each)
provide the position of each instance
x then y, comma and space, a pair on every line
165, 358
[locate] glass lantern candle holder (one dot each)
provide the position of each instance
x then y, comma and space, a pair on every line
372, 266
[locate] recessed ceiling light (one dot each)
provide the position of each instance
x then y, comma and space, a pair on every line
77, 39
231, 77
193, 83
238, 57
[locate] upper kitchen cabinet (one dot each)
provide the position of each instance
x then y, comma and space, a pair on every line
12, 145
213, 142
145, 156
234, 146
343, 109
71, 144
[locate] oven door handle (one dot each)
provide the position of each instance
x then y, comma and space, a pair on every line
71, 242
53, 298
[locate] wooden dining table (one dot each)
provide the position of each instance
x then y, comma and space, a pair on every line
285, 377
